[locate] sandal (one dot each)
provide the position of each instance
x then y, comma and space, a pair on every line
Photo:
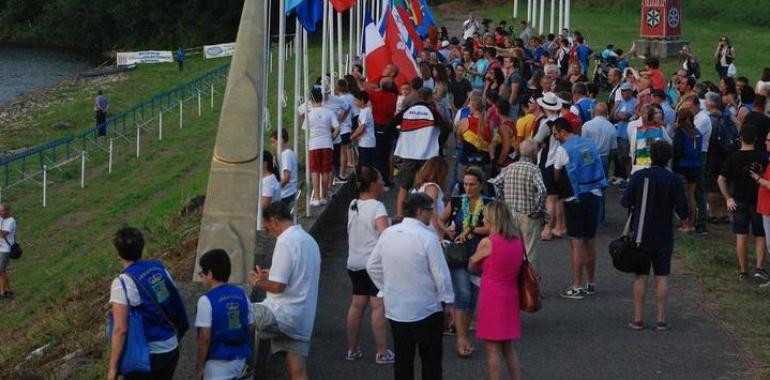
661, 326
636, 325
465, 352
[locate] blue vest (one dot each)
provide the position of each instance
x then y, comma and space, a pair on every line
229, 323
586, 107
584, 169
151, 276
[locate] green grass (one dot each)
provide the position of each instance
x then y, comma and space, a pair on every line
62, 283
620, 26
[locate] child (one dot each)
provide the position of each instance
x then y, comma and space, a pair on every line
364, 134
288, 171
223, 320
323, 125
343, 105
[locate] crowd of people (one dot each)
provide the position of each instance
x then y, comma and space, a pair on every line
501, 142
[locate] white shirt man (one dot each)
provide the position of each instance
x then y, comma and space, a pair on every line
470, 26
603, 133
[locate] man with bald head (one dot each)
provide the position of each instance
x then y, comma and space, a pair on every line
603, 133
7, 238
525, 193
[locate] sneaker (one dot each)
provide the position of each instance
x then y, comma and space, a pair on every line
315, 202
590, 289
340, 180
385, 358
743, 276
765, 285
761, 274
354, 355
574, 294
615, 181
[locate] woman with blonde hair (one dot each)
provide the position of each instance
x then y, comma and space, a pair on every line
476, 137
499, 259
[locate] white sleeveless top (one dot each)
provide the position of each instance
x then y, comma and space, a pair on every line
439, 206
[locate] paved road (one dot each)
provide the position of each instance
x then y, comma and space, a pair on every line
567, 339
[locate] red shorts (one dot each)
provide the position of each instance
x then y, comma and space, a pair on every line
321, 160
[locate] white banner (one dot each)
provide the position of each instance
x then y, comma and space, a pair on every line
218, 51
149, 56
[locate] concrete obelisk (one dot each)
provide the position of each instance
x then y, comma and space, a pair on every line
230, 213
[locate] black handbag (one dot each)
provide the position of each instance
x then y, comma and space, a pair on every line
16, 250
456, 254
625, 252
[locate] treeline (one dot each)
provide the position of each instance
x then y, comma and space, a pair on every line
103, 25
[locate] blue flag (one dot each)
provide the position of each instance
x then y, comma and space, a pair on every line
309, 12
427, 19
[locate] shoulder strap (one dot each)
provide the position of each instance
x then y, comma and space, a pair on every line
123, 284
163, 312
643, 212
4, 237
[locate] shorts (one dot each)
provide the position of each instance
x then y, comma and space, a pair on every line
366, 156
362, 283
624, 148
5, 258
691, 175
321, 160
407, 170
465, 292
345, 137
582, 215
659, 260
711, 173
551, 187
745, 216
267, 328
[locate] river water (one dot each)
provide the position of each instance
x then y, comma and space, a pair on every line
25, 69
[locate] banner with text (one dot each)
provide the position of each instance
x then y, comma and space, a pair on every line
149, 56
218, 51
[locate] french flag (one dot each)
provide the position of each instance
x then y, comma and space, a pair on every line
376, 53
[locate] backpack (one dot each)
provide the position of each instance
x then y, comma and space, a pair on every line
724, 134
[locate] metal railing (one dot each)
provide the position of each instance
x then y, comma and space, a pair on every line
26, 165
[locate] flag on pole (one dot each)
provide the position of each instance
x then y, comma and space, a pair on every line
427, 18
342, 5
407, 29
415, 9
375, 51
309, 12
399, 52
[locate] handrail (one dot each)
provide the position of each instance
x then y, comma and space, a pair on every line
117, 124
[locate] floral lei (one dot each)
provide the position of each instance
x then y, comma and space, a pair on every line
471, 219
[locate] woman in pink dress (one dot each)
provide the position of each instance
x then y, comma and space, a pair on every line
499, 258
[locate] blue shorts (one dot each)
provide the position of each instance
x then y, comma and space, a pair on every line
465, 291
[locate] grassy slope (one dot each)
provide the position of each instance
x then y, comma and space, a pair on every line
602, 26
62, 282
742, 306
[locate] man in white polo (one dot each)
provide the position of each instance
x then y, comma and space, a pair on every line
287, 315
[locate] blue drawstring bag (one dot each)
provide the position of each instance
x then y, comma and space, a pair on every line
135, 357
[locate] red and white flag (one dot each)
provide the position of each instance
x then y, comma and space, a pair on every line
375, 51
400, 54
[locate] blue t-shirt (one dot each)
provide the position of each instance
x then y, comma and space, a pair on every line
481, 69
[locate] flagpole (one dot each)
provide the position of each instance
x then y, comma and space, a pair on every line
281, 74
351, 40
534, 15
529, 12
340, 60
357, 49
553, 9
297, 79
332, 69
567, 14
541, 24
515, 9
306, 78
265, 109
324, 49
561, 15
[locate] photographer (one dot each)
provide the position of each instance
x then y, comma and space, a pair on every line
737, 175
724, 56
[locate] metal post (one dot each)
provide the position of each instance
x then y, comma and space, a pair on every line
351, 41
324, 46
515, 8
553, 14
181, 113
45, 186
534, 15
332, 69
306, 61
160, 126
212, 94
109, 162
297, 79
561, 15
281, 73
82, 169
541, 23
138, 141
567, 14
199, 100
